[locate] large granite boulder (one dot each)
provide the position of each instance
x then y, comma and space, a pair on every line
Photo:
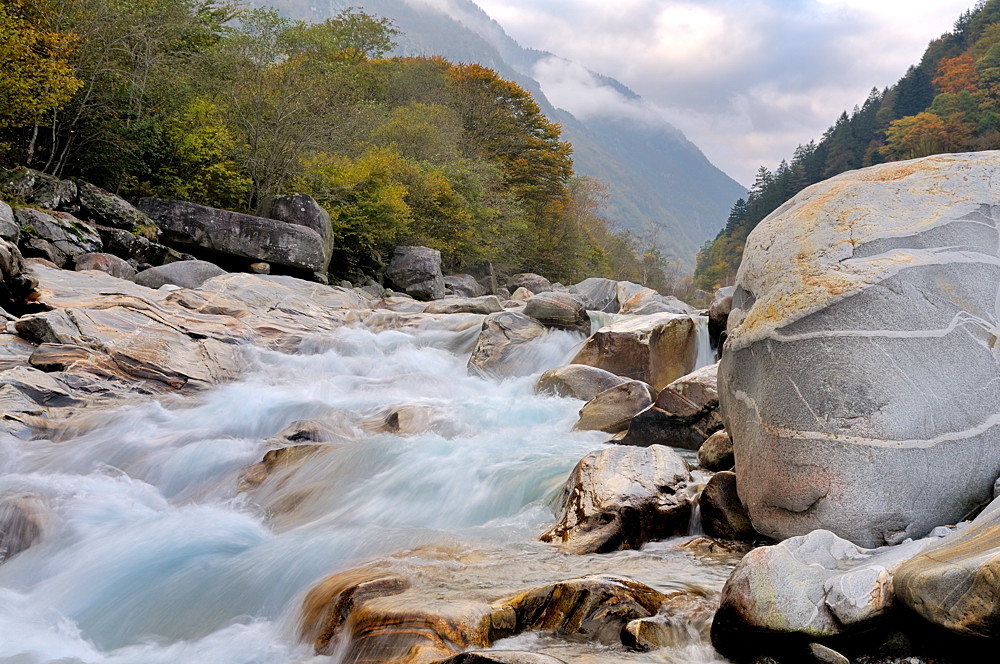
598, 294
197, 228
861, 372
10, 230
37, 188
656, 349
105, 208
186, 274
107, 263
417, 272
303, 210
621, 498
57, 236
464, 285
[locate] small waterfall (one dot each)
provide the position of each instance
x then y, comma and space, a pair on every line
704, 353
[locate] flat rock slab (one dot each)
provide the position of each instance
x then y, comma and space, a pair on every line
861, 373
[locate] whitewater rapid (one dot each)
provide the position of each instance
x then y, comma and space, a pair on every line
150, 552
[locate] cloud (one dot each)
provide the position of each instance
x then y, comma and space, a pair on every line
746, 80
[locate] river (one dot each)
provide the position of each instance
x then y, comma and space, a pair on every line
150, 552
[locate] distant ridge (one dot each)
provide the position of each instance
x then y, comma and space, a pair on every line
661, 186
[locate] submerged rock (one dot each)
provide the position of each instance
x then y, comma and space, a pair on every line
863, 322
622, 497
498, 349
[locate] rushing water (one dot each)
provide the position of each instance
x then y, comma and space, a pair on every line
150, 553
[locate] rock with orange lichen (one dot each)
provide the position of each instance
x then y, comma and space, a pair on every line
861, 371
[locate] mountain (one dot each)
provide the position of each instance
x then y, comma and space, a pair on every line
661, 187
948, 102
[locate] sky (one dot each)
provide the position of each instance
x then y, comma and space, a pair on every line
745, 80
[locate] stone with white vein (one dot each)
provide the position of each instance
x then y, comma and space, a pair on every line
862, 370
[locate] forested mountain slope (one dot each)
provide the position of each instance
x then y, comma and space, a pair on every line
948, 102
661, 187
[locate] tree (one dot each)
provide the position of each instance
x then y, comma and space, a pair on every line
957, 75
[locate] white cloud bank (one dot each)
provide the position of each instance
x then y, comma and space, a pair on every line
745, 80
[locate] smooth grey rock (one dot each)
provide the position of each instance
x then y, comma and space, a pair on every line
485, 304
578, 381
464, 285
417, 272
196, 227
37, 188
862, 355
611, 410
622, 497
502, 347
560, 310
816, 585
722, 304
692, 393
10, 230
535, 283
102, 207
598, 294
303, 210
186, 274
57, 237
107, 263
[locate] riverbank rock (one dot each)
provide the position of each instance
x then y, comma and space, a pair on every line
578, 381
534, 283
302, 209
187, 274
37, 188
243, 238
622, 497
107, 263
806, 588
417, 272
57, 236
103, 207
560, 310
612, 410
464, 285
16, 283
863, 321
955, 582
485, 304
656, 349
500, 348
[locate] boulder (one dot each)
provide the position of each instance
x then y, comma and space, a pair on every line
303, 210
716, 453
500, 348
107, 263
722, 513
621, 498
417, 272
656, 349
40, 189
104, 208
486, 304
502, 657
692, 394
860, 328
22, 521
577, 381
560, 310
464, 285
535, 283
57, 237
597, 294
197, 228
684, 414
521, 294
718, 311
611, 410
186, 274
955, 582
142, 250
10, 230
16, 283
805, 588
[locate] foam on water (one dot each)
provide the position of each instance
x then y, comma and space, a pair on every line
150, 554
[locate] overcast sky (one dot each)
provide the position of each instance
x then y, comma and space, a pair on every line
746, 80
